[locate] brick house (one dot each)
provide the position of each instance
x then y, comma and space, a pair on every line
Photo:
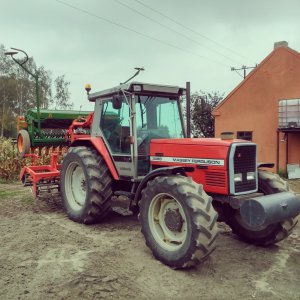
251, 110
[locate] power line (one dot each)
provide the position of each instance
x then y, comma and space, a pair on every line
135, 31
190, 29
173, 30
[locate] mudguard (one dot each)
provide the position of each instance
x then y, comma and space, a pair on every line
167, 171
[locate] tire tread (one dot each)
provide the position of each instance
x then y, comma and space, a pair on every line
269, 183
99, 185
201, 212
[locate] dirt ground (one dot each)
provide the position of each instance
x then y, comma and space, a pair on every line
43, 255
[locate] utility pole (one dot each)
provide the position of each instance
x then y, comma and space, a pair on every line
244, 68
4, 99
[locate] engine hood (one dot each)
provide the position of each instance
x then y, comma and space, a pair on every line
198, 141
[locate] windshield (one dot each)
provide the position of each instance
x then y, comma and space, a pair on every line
158, 117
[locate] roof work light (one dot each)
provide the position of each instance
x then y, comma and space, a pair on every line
88, 88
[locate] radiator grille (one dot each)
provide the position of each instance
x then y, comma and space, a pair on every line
244, 162
215, 178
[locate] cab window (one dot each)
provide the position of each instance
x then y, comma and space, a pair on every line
115, 126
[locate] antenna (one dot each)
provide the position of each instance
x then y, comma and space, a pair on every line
136, 73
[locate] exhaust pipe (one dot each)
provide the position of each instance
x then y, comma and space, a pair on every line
270, 209
188, 109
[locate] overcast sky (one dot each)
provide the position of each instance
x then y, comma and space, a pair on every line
213, 36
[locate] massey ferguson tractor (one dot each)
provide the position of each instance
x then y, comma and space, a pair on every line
134, 146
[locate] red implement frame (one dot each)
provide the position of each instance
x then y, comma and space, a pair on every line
37, 174
82, 123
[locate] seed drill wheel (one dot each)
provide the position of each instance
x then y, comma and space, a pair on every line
178, 221
85, 185
268, 183
23, 143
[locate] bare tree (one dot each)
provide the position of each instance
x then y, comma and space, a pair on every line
62, 94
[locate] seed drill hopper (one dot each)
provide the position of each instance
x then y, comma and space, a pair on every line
48, 128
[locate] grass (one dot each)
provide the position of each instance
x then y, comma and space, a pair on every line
8, 193
12, 191
28, 199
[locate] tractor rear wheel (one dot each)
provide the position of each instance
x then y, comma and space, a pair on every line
85, 185
178, 221
268, 183
23, 143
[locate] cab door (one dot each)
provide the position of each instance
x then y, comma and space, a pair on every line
115, 129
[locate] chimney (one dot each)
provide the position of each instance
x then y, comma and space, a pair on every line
281, 44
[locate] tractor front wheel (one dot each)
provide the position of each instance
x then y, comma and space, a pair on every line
85, 185
178, 221
268, 183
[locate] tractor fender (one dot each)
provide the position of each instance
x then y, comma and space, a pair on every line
167, 171
98, 144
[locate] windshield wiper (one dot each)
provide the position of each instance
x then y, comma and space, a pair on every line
142, 111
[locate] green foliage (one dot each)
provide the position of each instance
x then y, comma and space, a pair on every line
17, 91
282, 173
202, 105
10, 164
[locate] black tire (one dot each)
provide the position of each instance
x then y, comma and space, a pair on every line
23, 143
268, 183
95, 185
200, 218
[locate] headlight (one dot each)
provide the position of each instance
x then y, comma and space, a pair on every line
250, 175
137, 88
238, 177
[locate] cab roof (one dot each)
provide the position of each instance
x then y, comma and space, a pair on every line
138, 87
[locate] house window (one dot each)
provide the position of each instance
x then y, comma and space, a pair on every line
244, 135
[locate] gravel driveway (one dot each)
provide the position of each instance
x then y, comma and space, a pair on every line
43, 255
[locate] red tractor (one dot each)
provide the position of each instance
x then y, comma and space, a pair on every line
134, 145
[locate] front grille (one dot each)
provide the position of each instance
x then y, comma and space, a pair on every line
215, 179
244, 162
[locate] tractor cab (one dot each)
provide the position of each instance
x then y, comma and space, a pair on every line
130, 115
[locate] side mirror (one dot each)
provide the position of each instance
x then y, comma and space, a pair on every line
117, 102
